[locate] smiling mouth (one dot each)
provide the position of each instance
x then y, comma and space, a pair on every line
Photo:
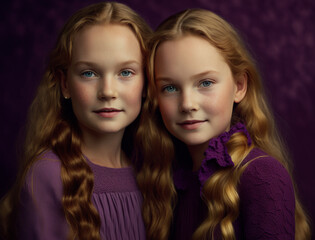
107, 110
191, 124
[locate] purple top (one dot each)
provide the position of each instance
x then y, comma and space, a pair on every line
116, 197
267, 202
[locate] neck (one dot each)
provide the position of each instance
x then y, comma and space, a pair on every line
197, 154
105, 150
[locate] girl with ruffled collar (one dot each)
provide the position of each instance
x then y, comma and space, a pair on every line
232, 176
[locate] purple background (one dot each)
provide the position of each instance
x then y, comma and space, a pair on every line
281, 34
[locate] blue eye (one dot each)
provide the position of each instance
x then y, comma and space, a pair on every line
206, 83
88, 74
169, 88
125, 73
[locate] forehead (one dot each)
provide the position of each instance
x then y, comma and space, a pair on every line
107, 38
188, 55
105, 29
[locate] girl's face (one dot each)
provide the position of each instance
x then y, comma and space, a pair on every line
105, 79
196, 89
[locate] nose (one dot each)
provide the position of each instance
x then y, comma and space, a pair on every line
107, 89
188, 102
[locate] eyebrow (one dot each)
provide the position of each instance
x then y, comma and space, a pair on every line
202, 74
196, 76
163, 79
93, 64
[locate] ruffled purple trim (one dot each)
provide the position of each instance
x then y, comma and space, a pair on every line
217, 151
216, 157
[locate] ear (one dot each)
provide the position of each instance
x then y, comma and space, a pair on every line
64, 85
241, 87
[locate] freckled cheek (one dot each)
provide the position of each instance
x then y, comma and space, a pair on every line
168, 110
210, 106
219, 106
82, 95
133, 94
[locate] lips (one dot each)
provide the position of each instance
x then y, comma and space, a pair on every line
108, 112
191, 124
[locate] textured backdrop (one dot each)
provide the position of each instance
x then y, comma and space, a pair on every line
280, 33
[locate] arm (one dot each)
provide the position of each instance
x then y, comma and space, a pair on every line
267, 202
40, 214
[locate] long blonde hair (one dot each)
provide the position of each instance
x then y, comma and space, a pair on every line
53, 125
252, 110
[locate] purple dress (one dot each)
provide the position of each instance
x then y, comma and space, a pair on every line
267, 202
116, 197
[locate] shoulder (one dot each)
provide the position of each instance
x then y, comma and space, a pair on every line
46, 167
41, 213
266, 185
262, 167
267, 200
48, 160
44, 175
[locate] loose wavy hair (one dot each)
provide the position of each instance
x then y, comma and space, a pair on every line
53, 125
220, 191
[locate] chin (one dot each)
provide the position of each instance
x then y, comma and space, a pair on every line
195, 142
